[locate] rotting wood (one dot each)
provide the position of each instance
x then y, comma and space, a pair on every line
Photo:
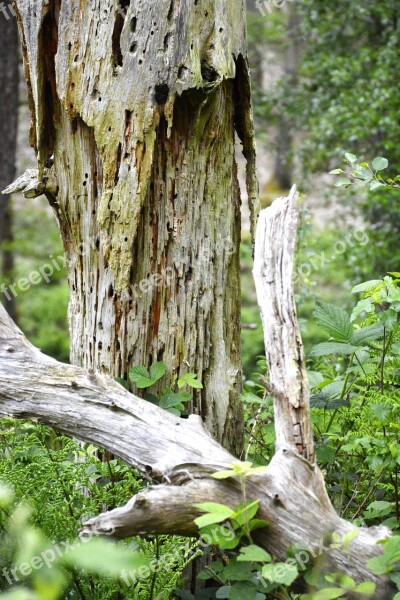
139, 101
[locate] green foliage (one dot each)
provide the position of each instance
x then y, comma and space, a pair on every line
249, 572
173, 402
363, 174
44, 570
345, 97
355, 404
142, 378
42, 309
58, 483
242, 519
356, 399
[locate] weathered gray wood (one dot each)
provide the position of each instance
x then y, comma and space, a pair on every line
180, 454
273, 275
139, 101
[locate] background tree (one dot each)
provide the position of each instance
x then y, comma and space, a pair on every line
9, 58
346, 100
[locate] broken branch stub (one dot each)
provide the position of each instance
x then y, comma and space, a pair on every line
273, 273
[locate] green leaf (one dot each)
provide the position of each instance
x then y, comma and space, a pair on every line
351, 158
105, 558
381, 411
243, 591
344, 581
221, 536
140, 377
378, 565
282, 573
365, 305
214, 507
326, 454
314, 378
333, 390
157, 370
176, 411
367, 588
254, 553
334, 321
216, 513
328, 594
327, 348
375, 185
364, 335
205, 575
223, 592
224, 474
325, 402
243, 513
363, 173
238, 571
349, 537
379, 163
336, 172
191, 380
250, 398
170, 400
257, 524
391, 549
377, 509
342, 182
367, 286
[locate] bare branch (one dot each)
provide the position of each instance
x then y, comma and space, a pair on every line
273, 273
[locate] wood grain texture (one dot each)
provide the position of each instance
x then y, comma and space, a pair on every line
139, 102
273, 275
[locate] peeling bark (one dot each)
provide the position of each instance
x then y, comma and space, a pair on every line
138, 103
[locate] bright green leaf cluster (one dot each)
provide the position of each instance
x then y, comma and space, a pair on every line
362, 174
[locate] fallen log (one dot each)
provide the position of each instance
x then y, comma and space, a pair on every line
178, 455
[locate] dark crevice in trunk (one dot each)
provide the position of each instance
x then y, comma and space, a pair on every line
245, 130
122, 9
48, 44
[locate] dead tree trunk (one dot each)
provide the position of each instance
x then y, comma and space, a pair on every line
138, 102
9, 53
180, 454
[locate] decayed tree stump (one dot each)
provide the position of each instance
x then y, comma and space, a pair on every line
139, 103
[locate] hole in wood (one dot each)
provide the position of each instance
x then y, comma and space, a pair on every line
161, 93
133, 25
